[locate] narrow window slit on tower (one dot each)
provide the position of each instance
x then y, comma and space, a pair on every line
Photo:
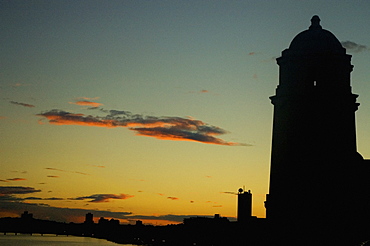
314, 83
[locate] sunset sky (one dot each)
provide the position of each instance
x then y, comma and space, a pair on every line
151, 110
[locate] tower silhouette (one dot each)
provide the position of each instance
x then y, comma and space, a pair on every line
244, 205
318, 180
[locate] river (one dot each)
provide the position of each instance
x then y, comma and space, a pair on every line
53, 240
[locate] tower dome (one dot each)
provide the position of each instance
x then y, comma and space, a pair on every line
316, 40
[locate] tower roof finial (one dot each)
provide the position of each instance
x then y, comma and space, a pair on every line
315, 23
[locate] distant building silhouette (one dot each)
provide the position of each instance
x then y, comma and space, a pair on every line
318, 181
244, 205
206, 221
89, 218
139, 223
26, 216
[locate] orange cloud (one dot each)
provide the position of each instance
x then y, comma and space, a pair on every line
52, 176
172, 198
87, 103
164, 128
16, 179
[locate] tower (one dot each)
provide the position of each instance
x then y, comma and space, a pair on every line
244, 205
315, 168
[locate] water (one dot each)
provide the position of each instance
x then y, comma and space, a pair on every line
52, 240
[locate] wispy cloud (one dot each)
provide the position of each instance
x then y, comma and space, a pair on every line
353, 47
17, 84
16, 179
52, 176
87, 98
54, 169
172, 198
164, 128
81, 173
44, 211
23, 104
8, 190
60, 170
229, 192
200, 92
14, 205
100, 166
44, 199
87, 103
103, 197
2, 117
19, 171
